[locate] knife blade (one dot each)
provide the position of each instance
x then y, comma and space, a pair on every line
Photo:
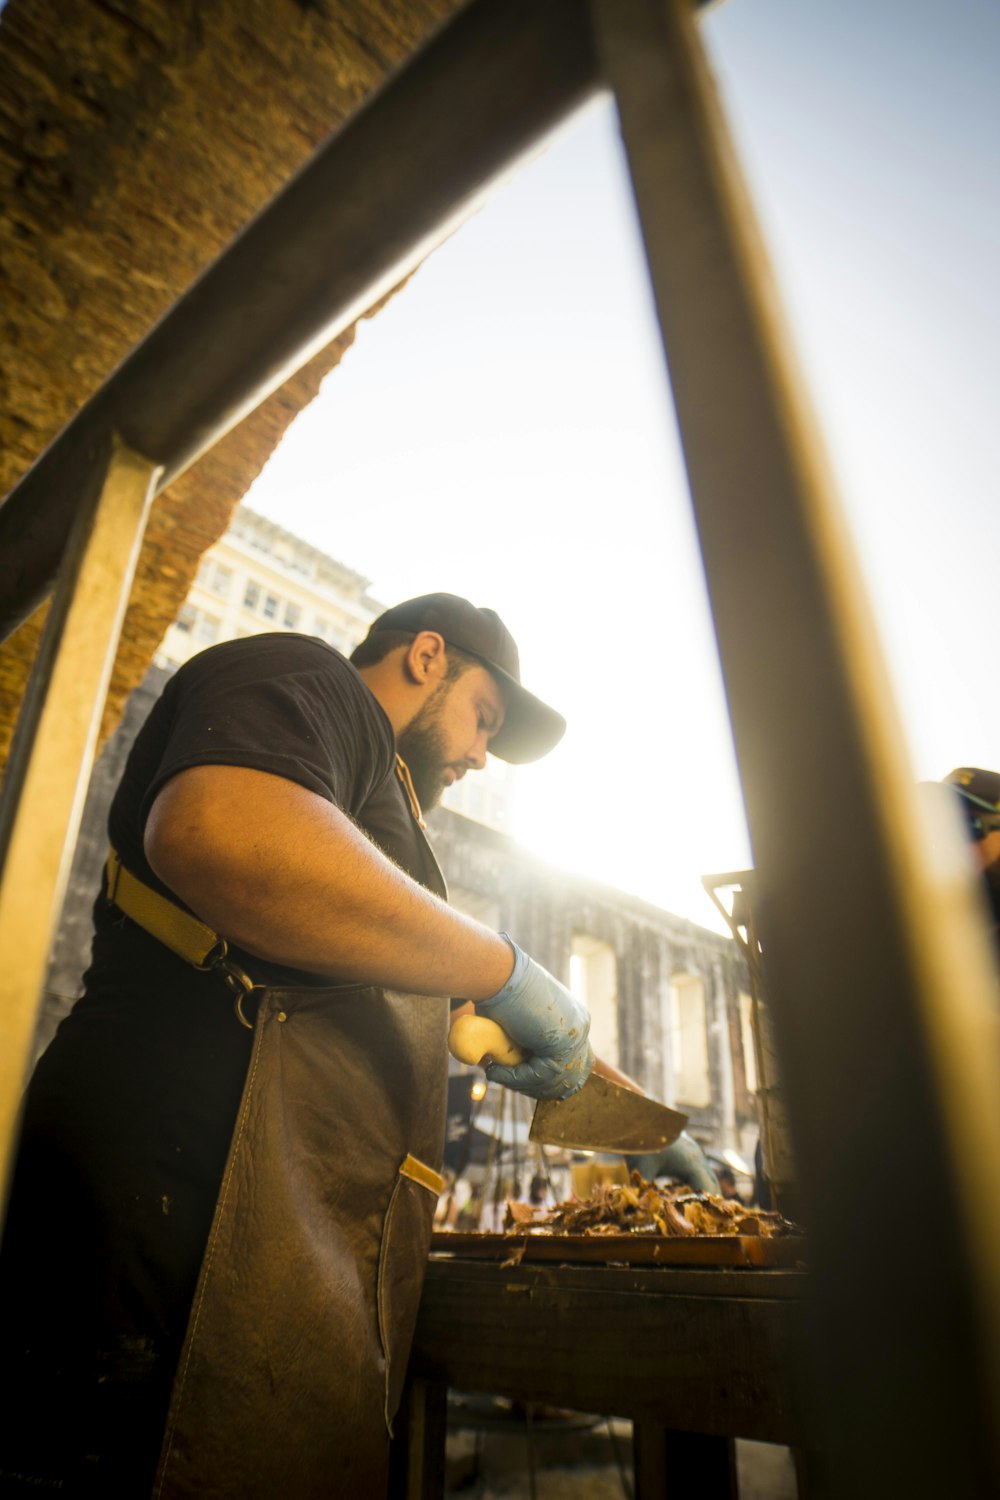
602, 1116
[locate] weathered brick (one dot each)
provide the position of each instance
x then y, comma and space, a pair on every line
136, 139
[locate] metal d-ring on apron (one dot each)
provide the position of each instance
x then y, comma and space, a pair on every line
240, 984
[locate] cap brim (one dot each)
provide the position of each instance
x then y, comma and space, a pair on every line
530, 727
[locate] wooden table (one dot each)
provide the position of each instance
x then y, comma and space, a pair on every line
695, 1357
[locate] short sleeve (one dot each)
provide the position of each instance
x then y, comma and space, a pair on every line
287, 705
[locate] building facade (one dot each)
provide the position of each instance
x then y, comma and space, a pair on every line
669, 1000
259, 577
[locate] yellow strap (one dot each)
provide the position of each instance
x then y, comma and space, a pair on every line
417, 1171
181, 932
403, 772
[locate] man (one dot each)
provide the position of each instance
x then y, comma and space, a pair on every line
727, 1185
978, 793
229, 1158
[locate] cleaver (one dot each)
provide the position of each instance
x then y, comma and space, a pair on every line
602, 1116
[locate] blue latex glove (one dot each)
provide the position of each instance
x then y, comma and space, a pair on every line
541, 1015
683, 1159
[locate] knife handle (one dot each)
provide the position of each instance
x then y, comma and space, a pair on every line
472, 1038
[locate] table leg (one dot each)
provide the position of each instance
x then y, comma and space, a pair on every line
417, 1452
676, 1465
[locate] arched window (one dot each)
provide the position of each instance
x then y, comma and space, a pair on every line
688, 1041
749, 1051
593, 978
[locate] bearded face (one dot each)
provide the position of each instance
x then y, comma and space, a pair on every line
422, 746
451, 732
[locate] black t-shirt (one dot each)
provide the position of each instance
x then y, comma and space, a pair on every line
289, 705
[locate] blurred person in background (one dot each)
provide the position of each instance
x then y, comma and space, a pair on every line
978, 794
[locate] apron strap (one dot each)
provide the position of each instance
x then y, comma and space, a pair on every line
178, 930
406, 781
420, 1172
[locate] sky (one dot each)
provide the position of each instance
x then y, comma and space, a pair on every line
504, 429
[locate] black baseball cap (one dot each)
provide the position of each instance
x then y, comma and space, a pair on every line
530, 728
980, 793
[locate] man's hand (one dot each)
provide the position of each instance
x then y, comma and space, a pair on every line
541, 1015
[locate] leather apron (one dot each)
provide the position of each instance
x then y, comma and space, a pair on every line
302, 1321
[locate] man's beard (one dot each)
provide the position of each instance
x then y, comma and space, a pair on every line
421, 744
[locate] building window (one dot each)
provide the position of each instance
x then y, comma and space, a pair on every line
293, 614
270, 607
215, 576
195, 622
207, 629
251, 595
689, 1041
593, 978
749, 1051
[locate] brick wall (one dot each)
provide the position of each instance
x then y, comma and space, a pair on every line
136, 138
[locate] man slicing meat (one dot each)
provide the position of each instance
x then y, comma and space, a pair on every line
230, 1152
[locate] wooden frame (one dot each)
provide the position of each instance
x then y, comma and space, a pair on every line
53, 752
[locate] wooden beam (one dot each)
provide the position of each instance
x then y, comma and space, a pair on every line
881, 983
53, 754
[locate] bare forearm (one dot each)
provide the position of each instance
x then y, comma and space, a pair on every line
288, 877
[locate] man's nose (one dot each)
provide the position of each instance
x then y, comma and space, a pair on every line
476, 757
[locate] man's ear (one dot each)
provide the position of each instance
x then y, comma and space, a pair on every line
425, 659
